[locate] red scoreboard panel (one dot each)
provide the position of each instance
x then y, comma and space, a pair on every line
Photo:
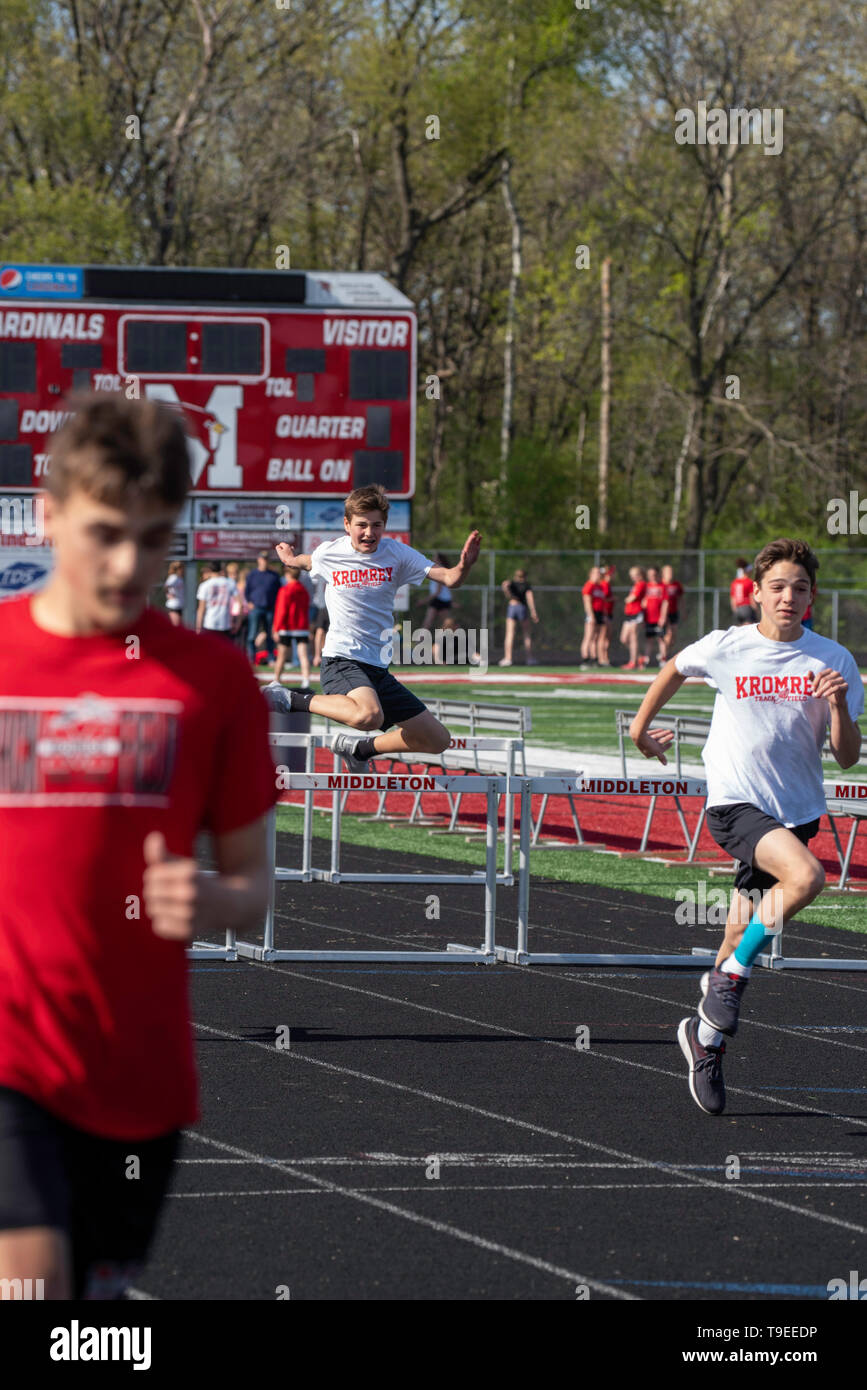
292, 382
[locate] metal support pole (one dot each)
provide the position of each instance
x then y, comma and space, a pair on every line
271, 849
524, 870
493, 798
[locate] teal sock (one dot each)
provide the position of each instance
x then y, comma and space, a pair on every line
753, 941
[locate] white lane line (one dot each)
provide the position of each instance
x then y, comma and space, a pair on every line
441, 1227
495, 1187
512, 1120
553, 1042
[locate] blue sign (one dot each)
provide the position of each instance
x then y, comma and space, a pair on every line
328, 516
41, 282
22, 574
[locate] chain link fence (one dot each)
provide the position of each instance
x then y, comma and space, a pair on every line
556, 578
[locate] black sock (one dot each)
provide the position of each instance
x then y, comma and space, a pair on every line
364, 748
300, 699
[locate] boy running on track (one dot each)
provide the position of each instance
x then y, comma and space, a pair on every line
363, 570
779, 688
113, 755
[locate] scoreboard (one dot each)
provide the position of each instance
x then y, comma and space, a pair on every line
293, 383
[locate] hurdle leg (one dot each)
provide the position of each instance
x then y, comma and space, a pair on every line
491, 837
538, 826
682, 820
579, 837
844, 871
524, 874
271, 846
693, 844
647, 824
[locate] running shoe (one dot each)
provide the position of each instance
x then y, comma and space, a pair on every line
720, 1002
345, 745
705, 1068
504, 662
277, 697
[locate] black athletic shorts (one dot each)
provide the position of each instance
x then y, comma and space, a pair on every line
439, 603
339, 675
744, 614
653, 630
285, 636
52, 1174
737, 829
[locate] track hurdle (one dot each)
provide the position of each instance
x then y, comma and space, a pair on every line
838, 793
337, 783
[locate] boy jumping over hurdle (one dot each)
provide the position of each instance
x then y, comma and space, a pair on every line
363, 571
779, 688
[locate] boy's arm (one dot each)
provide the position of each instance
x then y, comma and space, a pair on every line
531, 604
845, 735
200, 615
653, 742
288, 556
454, 577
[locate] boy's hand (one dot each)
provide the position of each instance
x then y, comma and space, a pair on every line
286, 553
171, 890
470, 552
831, 686
653, 742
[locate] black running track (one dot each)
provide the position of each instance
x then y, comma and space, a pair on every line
431, 1132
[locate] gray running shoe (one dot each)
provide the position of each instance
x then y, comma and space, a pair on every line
720, 1001
277, 697
345, 745
705, 1068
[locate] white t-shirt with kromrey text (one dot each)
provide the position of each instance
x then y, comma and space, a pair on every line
218, 594
767, 730
359, 594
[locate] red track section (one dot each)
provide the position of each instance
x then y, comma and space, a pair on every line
615, 824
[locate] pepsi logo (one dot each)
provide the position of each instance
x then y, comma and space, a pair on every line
10, 278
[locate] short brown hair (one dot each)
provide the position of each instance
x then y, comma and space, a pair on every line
116, 450
366, 499
785, 549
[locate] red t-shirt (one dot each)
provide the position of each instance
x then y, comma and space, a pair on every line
741, 590
597, 593
654, 595
608, 603
292, 609
673, 592
632, 606
96, 750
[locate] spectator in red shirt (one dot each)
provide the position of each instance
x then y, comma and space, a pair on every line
292, 619
604, 633
633, 617
670, 616
593, 594
121, 756
743, 607
654, 598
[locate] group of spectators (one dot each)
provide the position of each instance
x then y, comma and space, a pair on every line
266, 610
651, 612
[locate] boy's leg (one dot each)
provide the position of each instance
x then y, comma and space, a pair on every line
422, 734
358, 708
281, 660
510, 638
528, 637
796, 878
303, 660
